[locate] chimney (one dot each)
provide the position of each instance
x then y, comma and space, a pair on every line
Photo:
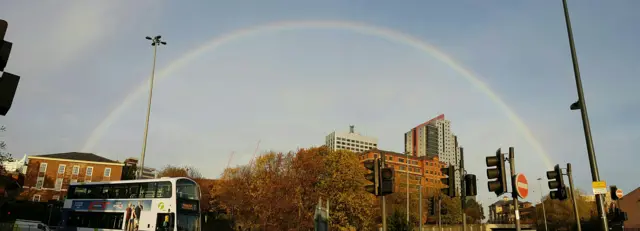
351, 128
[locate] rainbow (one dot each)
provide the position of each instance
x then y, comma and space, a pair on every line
356, 27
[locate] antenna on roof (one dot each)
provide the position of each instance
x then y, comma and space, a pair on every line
351, 128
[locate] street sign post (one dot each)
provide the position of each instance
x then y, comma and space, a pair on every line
522, 185
619, 193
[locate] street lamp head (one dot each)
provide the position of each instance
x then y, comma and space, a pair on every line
153, 44
158, 37
163, 43
148, 38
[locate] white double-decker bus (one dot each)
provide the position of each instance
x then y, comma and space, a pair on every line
153, 204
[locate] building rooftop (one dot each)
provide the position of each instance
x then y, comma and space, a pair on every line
78, 156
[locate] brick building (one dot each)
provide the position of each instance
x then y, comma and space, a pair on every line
48, 176
630, 203
423, 170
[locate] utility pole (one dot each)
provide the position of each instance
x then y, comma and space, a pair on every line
573, 197
155, 42
440, 213
514, 193
582, 106
463, 193
384, 201
544, 213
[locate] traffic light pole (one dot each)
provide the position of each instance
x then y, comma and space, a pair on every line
514, 193
463, 193
420, 205
595, 175
384, 201
573, 197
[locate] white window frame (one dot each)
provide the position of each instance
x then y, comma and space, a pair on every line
89, 173
43, 165
36, 196
40, 182
75, 170
58, 185
62, 167
56, 197
74, 181
105, 172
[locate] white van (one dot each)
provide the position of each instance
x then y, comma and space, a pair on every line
28, 225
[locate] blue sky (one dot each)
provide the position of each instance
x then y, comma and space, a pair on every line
79, 61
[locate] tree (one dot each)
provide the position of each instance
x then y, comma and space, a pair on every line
280, 191
4, 156
175, 171
474, 211
560, 213
398, 222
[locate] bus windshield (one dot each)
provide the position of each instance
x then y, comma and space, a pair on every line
187, 189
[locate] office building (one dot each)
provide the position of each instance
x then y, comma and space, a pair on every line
350, 141
434, 138
422, 170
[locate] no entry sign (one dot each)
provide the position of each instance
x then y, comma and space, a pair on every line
619, 193
522, 185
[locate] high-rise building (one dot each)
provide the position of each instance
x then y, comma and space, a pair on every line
350, 141
434, 138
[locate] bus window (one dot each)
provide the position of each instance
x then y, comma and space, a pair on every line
134, 190
187, 189
97, 220
163, 189
77, 192
94, 191
165, 221
148, 190
105, 191
118, 191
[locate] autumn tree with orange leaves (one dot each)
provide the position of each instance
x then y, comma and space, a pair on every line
279, 191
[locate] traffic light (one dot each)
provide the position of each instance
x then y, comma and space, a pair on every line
8, 87
373, 176
432, 206
386, 181
8, 81
497, 176
5, 47
613, 190
470, 186
449, 180
556, 181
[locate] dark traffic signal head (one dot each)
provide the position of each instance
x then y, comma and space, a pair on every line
386, 181
470, 186
497, 176
556, 184
612, 190
373, 176
449, 181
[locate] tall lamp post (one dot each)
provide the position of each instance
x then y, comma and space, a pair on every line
581, 105
155, 42
544, 213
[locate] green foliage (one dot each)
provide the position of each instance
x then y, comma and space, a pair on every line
398, 221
